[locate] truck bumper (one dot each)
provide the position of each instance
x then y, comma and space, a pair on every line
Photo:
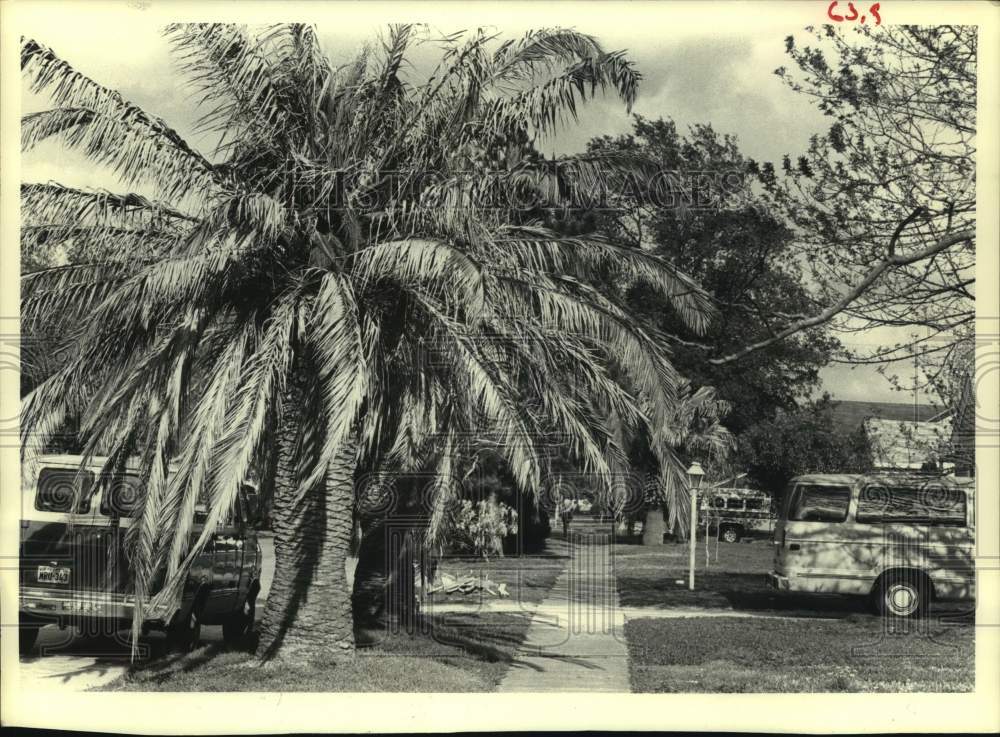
57, 606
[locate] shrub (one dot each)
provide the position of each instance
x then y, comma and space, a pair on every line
480, 527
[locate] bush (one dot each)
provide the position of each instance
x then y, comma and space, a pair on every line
494, 480
481, 527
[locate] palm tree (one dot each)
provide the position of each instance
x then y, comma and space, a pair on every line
696, 433
330, 293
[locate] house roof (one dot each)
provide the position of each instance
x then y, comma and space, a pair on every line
843, 479
904, 444
849, 415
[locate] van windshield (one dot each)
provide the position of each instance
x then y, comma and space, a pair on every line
819, 503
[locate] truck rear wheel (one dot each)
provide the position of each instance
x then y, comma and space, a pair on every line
235, 628
731, 534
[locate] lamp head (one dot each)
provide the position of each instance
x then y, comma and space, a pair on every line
695, 474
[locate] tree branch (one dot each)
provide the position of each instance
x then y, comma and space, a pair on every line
890, 261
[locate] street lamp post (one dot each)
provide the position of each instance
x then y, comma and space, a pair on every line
694, 474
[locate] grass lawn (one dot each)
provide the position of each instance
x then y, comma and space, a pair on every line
458, 653
853, 654
808, 643
648, 577
657, 577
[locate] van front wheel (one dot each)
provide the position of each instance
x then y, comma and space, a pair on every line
731, 534
902, 595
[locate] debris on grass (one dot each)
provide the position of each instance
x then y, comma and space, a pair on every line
448, 584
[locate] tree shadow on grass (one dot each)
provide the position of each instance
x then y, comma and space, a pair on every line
493, 639
741, 592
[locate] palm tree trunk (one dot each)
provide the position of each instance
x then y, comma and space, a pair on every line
655, 525
309, 605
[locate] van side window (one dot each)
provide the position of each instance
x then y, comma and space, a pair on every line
924, 505
755, 504
818, 503
121, 495
734, 503
57, 486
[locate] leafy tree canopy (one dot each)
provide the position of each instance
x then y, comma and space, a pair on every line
884, 202
712, 225
801, 440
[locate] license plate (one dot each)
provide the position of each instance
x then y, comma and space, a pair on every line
48, 574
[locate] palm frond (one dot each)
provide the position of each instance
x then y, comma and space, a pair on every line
487, 388
194, 461
138, 146
143, 535
96, 243
554, 102
445, 490
261, 382
43, 411
166, 286
338, 346
62, 293
56, 205
520, 60
230, 71
540, 249
431, 263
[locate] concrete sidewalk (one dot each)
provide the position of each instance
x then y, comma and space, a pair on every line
550, 612
575, 640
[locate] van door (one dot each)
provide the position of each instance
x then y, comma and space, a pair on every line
62, 547
820, 550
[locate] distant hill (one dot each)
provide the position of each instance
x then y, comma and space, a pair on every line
848, 415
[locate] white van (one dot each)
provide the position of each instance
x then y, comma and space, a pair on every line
903, 540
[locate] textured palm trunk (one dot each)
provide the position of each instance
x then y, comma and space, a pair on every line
655, 525
309, 605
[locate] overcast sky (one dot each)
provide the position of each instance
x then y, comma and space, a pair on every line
693, 73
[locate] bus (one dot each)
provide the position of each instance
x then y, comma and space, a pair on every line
904, 540
737, 513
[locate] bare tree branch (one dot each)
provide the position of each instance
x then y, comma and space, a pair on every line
860, 288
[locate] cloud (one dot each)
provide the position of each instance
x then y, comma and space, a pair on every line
726, 80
